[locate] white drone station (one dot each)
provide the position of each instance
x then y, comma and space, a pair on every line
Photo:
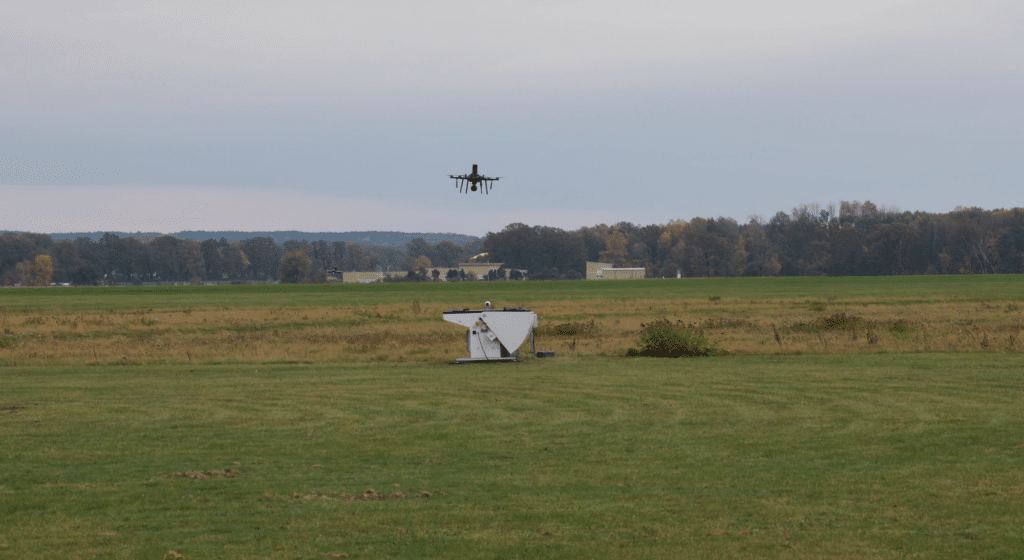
494, 335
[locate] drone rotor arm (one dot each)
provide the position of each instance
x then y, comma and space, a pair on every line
471, 182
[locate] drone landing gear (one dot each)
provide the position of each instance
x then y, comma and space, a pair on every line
466, 185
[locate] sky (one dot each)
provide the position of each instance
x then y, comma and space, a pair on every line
349, 116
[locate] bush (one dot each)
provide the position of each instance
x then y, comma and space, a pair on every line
662, 339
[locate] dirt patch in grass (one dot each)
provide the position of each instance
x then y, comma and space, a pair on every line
203, 475
371, 495
368, 496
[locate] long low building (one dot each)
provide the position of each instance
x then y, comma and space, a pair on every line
606, 271
362, 277
479, 271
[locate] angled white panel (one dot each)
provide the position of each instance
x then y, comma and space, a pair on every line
464, 319
510, 326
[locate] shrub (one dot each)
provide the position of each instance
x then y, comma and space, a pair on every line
662, 339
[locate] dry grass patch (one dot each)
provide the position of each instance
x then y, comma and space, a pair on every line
395, 332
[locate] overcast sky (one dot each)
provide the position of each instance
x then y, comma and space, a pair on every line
344, 115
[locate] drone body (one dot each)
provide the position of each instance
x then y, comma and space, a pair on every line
474, 181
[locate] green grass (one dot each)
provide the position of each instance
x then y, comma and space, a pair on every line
869, 456
908, 289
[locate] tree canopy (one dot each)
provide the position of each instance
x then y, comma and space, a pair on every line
853, 238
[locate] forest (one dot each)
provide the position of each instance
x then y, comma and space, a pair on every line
848, 239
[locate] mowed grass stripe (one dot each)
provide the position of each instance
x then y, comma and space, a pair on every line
793, 456
906, 289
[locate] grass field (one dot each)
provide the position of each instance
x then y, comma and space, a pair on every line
402, 322
323, 422
907, 289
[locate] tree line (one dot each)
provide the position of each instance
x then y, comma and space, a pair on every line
848, 239
165, 258
851, 238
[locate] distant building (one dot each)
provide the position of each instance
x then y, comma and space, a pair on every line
605, 271
478, 270
362, 277
593, 268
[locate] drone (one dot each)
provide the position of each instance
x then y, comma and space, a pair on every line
469, 182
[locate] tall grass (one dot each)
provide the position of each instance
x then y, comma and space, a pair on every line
415, 330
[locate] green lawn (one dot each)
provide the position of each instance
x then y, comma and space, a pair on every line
863, 456
909, 289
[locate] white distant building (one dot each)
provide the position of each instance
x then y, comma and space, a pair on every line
605, 271
362, 277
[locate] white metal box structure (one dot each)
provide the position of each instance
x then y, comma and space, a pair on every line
494, 335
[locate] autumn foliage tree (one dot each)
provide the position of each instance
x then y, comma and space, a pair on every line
190, 260
23, 273
42, 271
295, 267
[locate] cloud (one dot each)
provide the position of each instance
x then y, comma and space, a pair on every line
259, 54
